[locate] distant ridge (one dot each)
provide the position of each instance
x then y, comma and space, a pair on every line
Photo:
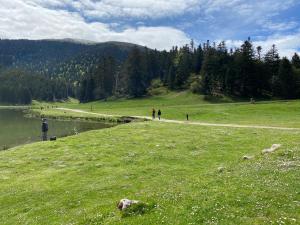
71, 40
88, 42
77, 41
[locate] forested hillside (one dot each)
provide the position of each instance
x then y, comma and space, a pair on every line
55, 67
54, 58
97, 71
209, 69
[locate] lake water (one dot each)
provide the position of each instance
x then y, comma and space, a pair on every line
15, 129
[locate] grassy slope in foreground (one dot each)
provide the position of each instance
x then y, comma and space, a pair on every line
79, 179
176, 105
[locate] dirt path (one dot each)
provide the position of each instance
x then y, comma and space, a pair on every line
187, 122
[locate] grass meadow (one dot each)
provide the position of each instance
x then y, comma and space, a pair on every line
185, 174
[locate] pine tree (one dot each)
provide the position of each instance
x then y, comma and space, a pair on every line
287, 79
109, 76
272, 61
171, 77
135, 74
25, 97
183, 64
246, 75
259, 49
89, 91
198, 59
296, 61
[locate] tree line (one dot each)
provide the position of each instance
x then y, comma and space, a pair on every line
21, 87
210, 69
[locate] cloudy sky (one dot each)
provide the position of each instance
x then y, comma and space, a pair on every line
158, 24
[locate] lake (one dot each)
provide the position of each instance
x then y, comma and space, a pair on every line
15, 129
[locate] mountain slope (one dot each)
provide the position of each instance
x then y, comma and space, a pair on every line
67, 58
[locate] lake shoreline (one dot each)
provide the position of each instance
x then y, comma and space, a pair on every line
26, 129
14, 107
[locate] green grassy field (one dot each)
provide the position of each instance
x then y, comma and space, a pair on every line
79, 179
185, 174
177, 105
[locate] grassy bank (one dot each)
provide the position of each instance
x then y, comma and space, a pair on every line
54, 113
78, 180
177, 105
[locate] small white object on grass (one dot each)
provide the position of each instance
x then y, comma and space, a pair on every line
125, 203
246, 157
273, 148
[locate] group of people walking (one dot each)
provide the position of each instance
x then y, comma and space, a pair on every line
154, 114
159, 114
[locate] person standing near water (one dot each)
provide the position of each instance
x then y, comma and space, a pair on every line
159, 114
153, 113
44, 129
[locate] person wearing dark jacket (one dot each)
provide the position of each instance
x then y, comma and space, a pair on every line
44, 129
159, 114
153, 113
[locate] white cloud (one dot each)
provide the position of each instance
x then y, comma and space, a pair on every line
153, 37
254, 10
23, 20
222, 19
287, 45
281, 26
123, 8
257, 17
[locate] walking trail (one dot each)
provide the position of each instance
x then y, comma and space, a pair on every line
186, 122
